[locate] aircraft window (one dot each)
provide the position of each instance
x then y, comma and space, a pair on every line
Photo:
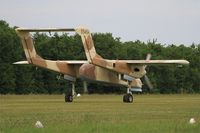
113, 64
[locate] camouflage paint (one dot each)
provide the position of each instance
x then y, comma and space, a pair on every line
95, 68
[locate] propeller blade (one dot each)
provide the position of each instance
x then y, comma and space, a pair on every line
148, 56
149, 84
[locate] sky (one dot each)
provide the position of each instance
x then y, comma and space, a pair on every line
168, 21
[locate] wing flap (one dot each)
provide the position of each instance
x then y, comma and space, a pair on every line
73, 62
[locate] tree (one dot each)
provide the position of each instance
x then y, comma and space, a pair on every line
27, 79
10, 50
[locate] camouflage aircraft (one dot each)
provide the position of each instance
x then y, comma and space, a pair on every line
95, 68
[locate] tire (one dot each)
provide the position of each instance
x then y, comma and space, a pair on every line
125, 98
68, 98
128, 98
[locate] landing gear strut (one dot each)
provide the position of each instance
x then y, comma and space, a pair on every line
69, 96
128, 98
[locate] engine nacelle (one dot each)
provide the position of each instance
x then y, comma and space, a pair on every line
87, 71
138, 71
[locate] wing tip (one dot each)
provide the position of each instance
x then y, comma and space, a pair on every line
20, 62
184, 62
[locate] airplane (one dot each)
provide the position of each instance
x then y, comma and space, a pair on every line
95, 68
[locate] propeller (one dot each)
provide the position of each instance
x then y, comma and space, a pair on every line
147, 80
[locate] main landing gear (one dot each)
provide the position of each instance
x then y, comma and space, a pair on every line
128, 98
69, 96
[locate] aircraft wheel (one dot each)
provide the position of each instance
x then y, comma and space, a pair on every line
68, 98
128, 98
125, 98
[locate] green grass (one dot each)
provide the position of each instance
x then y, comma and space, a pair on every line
100, 113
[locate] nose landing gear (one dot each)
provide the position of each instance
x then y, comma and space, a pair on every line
128, 98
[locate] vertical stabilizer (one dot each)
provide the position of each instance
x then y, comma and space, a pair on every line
87, 43
35, 59
27, 43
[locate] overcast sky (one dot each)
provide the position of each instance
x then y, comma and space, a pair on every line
168, 21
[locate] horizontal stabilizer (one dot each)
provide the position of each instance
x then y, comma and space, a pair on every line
45, 29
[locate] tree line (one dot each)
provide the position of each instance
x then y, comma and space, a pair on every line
26, 79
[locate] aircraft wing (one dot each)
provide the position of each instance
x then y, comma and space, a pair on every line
151, 62
72, 62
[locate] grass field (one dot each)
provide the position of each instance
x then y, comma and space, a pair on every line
100, 113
